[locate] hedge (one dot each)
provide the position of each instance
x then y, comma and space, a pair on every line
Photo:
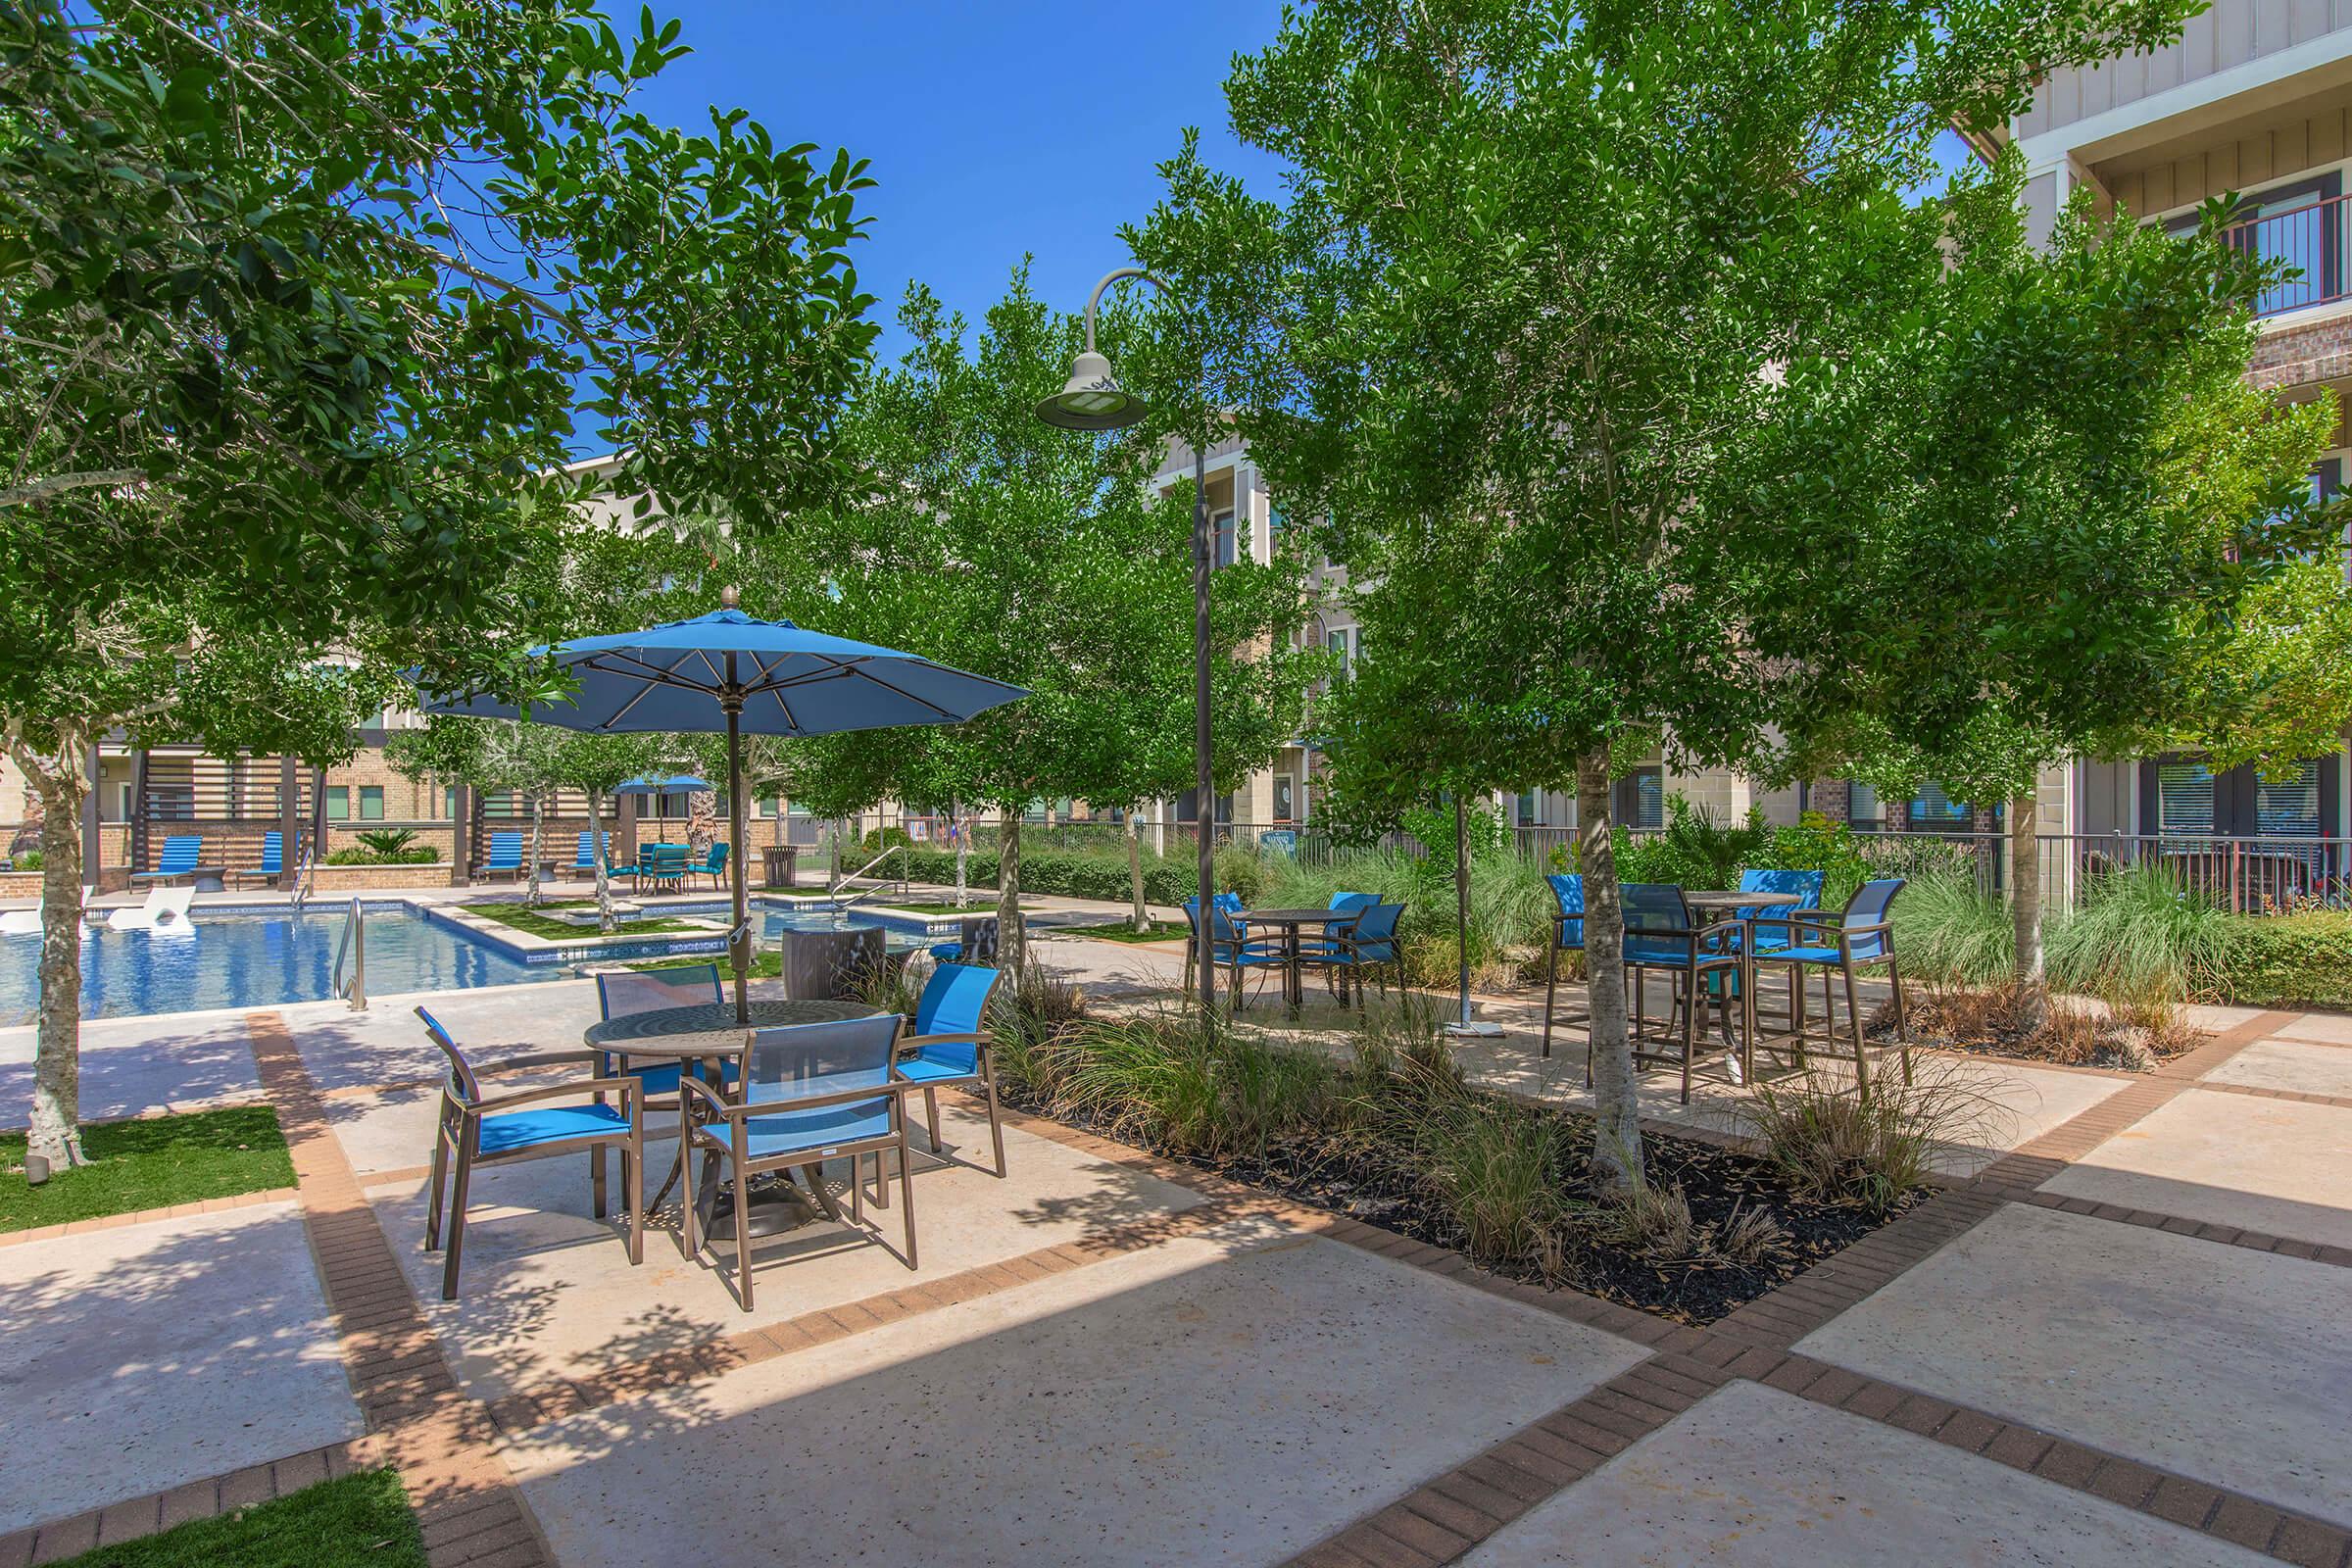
1073, 876
2292, 960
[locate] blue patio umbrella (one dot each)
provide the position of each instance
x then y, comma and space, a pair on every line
735, 673
682, 784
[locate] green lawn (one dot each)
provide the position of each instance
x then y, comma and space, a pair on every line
1161, 931
535, 923
355, 1521
149, 1164
766, 963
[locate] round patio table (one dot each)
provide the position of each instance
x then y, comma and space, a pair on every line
1293, 992
705, 1032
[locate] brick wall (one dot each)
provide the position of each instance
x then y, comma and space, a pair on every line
2297, 356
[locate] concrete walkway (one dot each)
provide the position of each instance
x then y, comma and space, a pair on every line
2120, 1335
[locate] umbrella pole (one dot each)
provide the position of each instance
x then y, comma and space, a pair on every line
738, 942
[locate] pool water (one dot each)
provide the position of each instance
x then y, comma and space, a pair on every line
265, 959
253, 961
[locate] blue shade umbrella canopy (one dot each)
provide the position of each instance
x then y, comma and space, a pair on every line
734, 672
786, 680
680, 784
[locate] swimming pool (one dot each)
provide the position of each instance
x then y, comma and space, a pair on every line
269, 957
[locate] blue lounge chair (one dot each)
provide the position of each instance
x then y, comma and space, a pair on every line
1567, 936
591, 845
1368, 947
274, 859
1856, 938
506, 856
178, 860
1230, 944
948, 1046
811, 1092
471, 1135
713, 866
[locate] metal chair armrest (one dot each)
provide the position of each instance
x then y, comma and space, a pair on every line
628, 1089
917, 1041
749, 1108
544, 1059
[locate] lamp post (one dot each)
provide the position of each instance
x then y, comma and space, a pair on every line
1093, 399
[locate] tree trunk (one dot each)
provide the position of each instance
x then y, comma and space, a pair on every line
1011, 943
1617, 1125
54, 1132
604, 922
963, 830
533, 894
2024, 899
1138, 916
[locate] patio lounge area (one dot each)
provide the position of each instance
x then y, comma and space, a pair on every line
1106, 1356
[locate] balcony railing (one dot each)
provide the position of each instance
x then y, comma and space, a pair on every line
2311, 240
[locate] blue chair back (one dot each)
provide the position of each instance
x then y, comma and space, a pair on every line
717, 860
810, 1061
1376, 933
506, 852
1868, 907
591, 846
1353, 901
953, 1001
1569, 889
461, 1081
1227, 932
274, 855
179, 853
638, 991
1805, 885
1651, 910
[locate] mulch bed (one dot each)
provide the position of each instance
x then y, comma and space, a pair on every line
1371, 1180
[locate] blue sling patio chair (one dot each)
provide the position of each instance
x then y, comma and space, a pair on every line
1567, 936
477, 1131
975, 942
1701, 965
272, 863
1764, 929
1369, 946
811, 1092
1853, 940
178, 860
1316, 947
949, 1048
630, 991
592, 844
713, 866
504, 857
1231, 947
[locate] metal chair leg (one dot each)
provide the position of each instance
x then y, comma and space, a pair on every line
596, 1181
907, 1190
996, 1125
688, 1242
1903, 1018
1853, 1026
743, 1234
931, 1110
1551, 980
632, 1177
457, 1221
433, 1212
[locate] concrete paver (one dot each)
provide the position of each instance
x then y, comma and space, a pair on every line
1199, 1404
2321, 1028
134, 1065
1754, 1476
2300, 1067
148, 1356
547, 1291
2278, 1166
2218, 1362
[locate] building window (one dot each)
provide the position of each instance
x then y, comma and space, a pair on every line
1283, 787
1641, 798
338, 802
2288, 805
449, 802
1338, 642
1224, 539
1862, 805
1531, 808
2184, 798
372, 802
1933, 809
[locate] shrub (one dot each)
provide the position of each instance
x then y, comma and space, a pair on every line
1697, 849
2137, 936
356, 854
1025, 1017
1817, 844
1947, 930
1835, 1146
1496, 1164
387, 841
878, 839
28, 860
1196, 1088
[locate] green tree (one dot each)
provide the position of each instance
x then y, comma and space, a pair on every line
995, 543
295, 305
1544, 274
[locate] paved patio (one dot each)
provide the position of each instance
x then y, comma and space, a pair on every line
2120, 1335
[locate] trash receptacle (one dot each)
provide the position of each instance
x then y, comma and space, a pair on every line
780, 864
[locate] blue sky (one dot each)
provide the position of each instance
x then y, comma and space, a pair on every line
994, 129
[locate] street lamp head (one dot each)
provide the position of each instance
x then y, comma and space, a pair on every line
1093, 399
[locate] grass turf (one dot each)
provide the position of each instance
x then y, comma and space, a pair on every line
151, 1163
1121, 931
532, 923
361, 1520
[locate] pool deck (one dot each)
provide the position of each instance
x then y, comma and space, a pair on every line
2116, 1335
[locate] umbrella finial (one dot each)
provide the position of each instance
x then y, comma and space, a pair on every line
729, 597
